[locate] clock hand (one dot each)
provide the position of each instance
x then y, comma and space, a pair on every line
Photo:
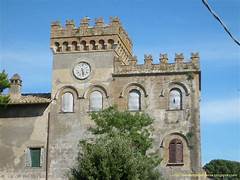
82, 72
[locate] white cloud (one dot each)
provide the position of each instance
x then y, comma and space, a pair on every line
226, 110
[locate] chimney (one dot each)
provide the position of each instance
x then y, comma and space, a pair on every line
15, 86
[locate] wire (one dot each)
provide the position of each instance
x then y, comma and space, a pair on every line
220, 21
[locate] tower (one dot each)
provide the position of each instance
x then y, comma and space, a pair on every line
95, 45
94, 68
83, 62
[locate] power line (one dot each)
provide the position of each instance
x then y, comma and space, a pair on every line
220, 21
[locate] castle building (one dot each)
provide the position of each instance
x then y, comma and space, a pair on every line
94, 68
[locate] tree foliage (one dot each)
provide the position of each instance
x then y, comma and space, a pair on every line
4, 83
136, 126
223, 169
119, 150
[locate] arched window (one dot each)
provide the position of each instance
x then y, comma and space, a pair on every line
175, 99
65, 46
93, 45
101, 43
74, 46
176, 151
57, 45
84, 45
134, 100
96, 101
111, 43
67, 102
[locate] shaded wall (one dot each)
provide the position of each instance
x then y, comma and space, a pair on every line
23, 126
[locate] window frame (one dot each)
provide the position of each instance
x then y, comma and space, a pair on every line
139, 100
173, 152
181, 100
35, 154
73, 102
28, 157
90, 107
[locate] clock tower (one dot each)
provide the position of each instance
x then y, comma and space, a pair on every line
84, 55
83, 62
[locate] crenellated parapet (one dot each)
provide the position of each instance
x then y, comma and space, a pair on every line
148, 60
163, 58
101, 36
179, 58
180, 65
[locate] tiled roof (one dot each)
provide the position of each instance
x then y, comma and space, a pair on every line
34, 98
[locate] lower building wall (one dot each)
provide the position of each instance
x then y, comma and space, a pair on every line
19, 133
65, 130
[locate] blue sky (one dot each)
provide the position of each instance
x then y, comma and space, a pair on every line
155, 26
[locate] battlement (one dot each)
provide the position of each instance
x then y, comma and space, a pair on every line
101, 36
179, 65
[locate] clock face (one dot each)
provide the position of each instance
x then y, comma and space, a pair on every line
82, 70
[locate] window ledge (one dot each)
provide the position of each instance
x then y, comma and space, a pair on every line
34, 168
175, 164
66, 112
174, 110
135, 110
92, 111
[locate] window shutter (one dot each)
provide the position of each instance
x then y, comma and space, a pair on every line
35, 156
179, 152
176, 151
67, 102
134, 100
96, 101
172, 153
27, 158
42, 157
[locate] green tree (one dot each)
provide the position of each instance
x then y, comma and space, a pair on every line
4, 83
119, 149
136, 126
223, 169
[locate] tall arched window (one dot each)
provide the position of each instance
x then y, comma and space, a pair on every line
67, 102
175, 99
176, 151
96, 101
134, 100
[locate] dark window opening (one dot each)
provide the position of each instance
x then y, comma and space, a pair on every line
35, 157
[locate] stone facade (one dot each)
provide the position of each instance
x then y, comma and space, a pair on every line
114, 72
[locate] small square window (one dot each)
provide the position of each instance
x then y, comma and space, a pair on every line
34, 157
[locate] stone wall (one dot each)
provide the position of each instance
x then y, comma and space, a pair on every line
115, 81
19, 132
